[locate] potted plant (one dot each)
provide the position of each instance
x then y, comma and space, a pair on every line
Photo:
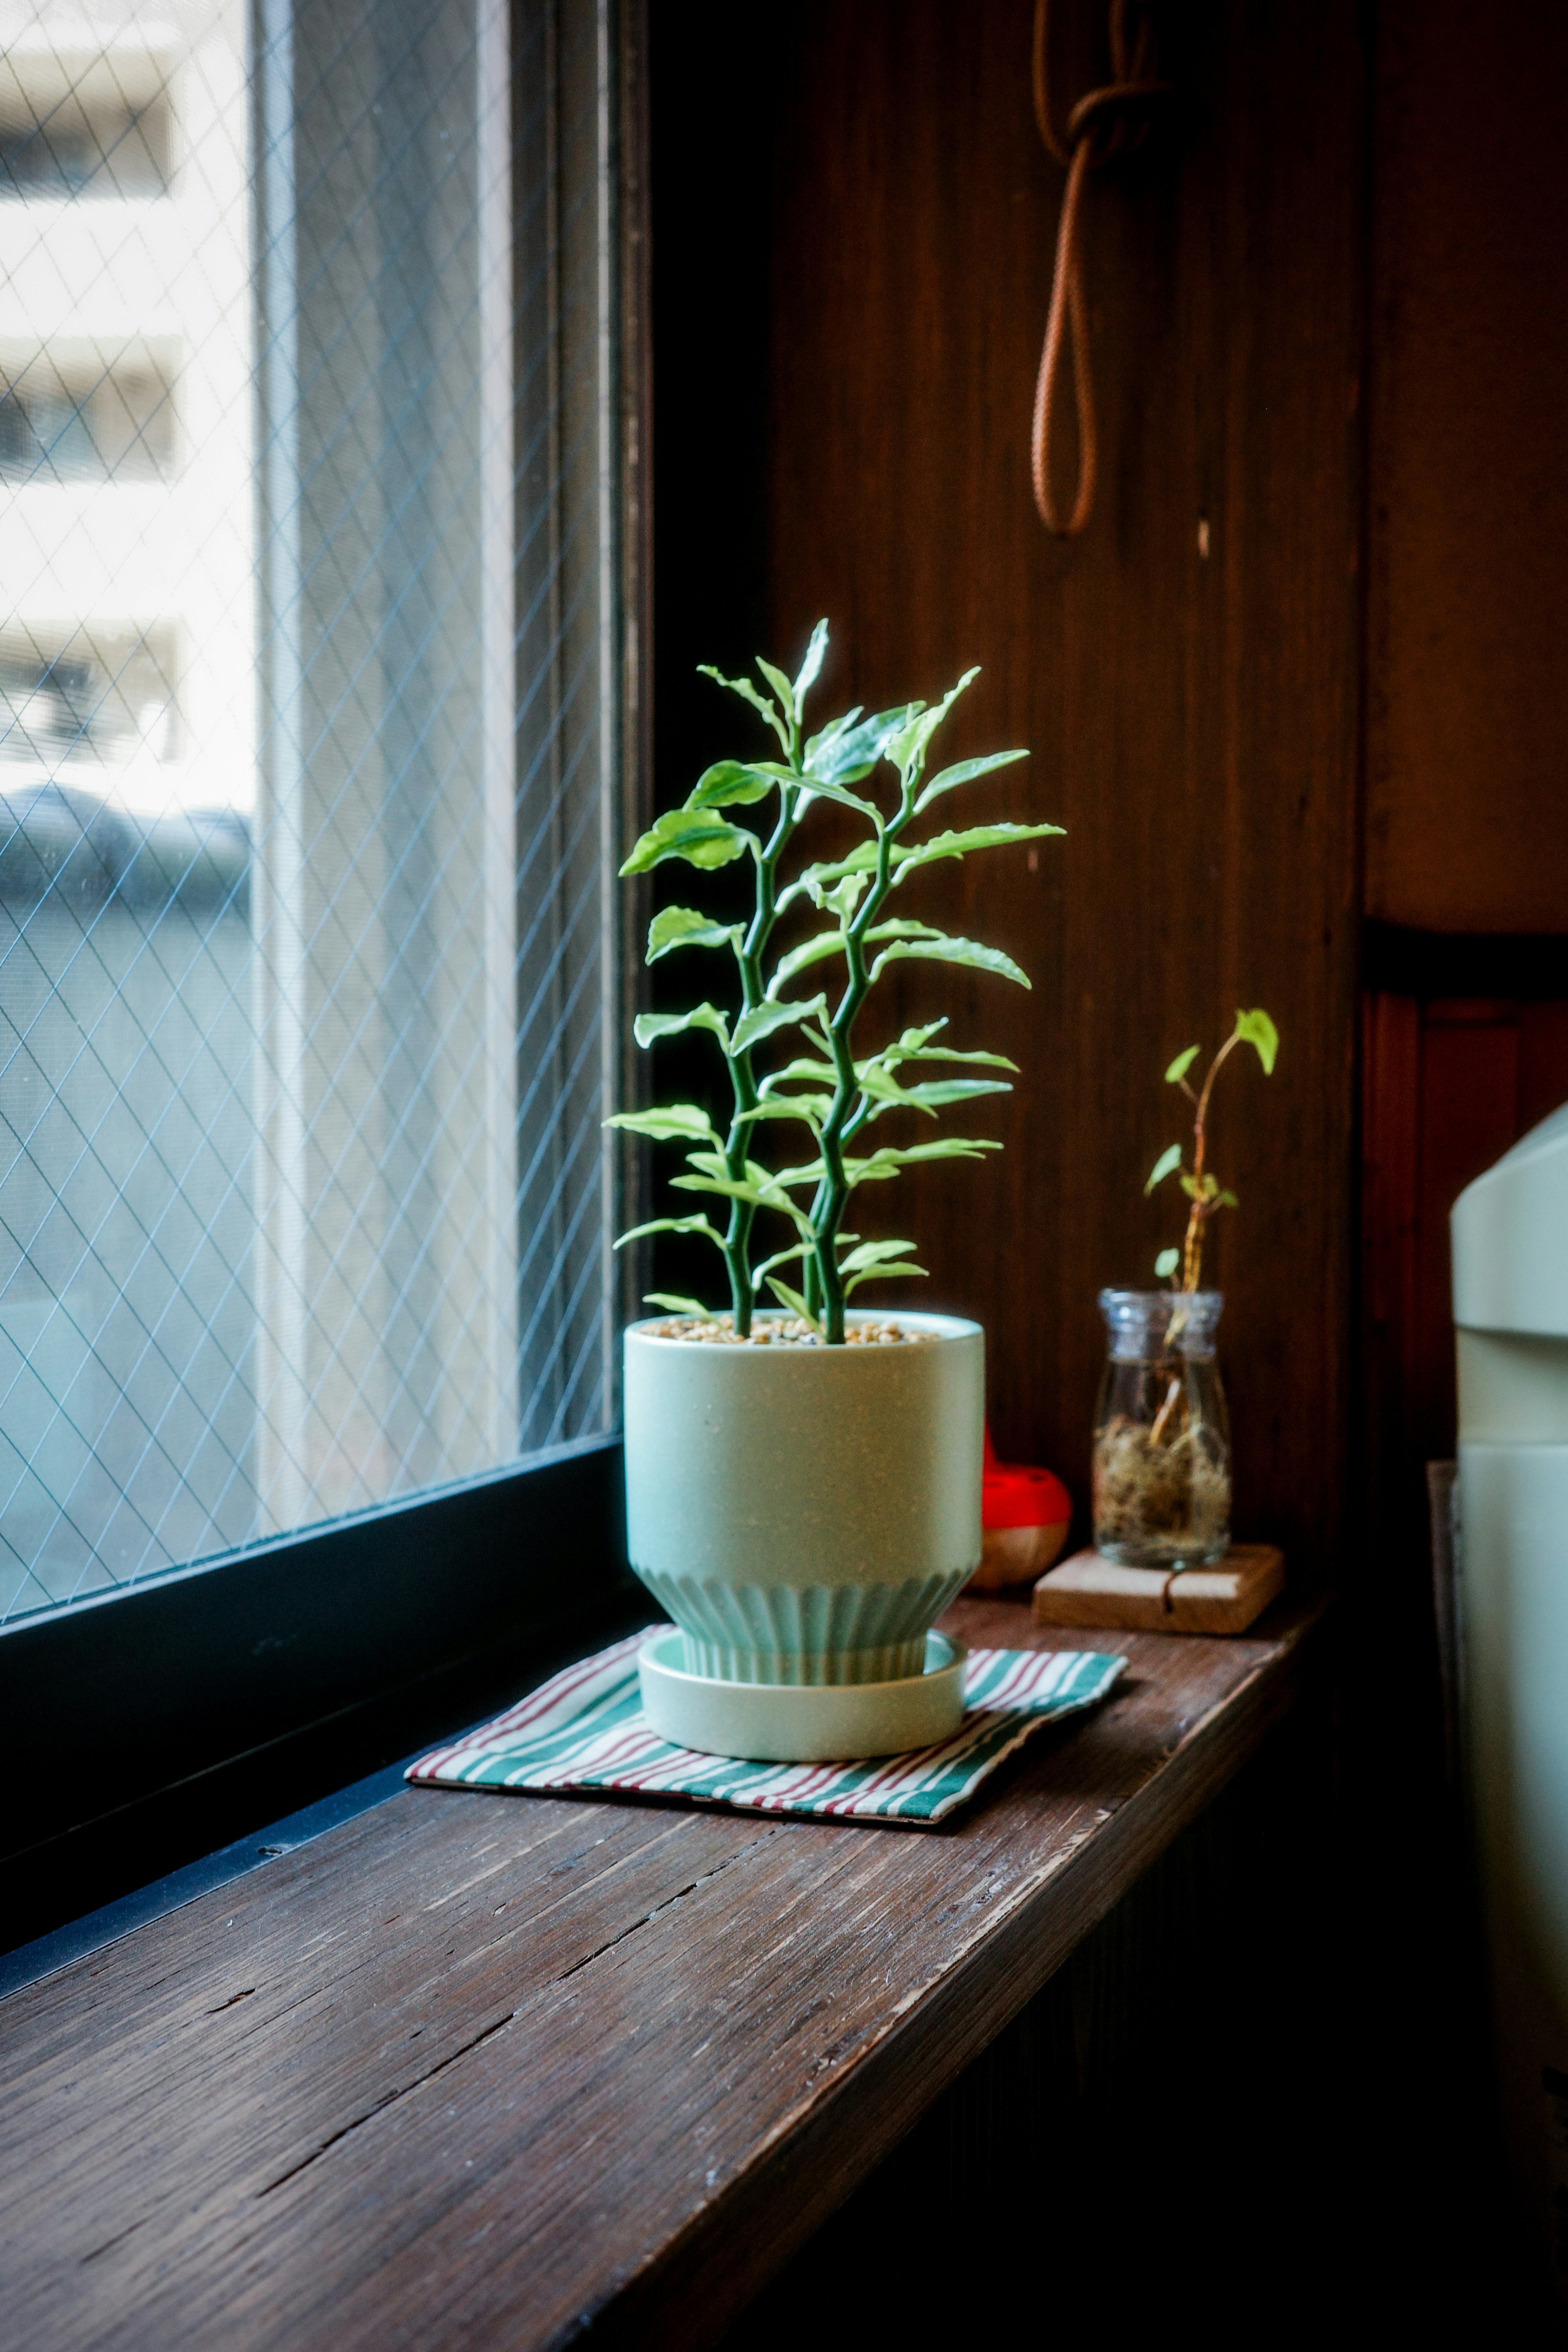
804, 1479
1161, 1439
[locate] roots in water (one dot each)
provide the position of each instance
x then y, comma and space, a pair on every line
1161, 1497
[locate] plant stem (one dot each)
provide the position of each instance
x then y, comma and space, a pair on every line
1192, 1244
843, 1119
743, 1077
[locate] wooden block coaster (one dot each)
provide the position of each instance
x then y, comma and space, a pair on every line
1223, 1599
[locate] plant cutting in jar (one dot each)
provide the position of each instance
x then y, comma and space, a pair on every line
1206, 1195
1161, 1450
820, 1079
804, 1509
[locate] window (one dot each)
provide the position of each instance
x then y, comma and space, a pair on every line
311, 730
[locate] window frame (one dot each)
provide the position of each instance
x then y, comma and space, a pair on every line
165, 1719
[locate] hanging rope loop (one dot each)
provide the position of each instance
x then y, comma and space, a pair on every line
1104, 123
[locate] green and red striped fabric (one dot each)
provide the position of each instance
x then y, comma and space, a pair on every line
585, 1729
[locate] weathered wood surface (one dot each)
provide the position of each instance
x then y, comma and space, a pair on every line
478, 2071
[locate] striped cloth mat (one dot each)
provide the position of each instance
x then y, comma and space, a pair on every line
585, 1729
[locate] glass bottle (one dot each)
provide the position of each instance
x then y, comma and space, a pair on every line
1161, 1435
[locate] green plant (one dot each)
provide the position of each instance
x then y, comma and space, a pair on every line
1202, 1188
820, 1084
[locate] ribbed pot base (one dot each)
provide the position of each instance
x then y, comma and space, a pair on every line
820, 1635
817, 1667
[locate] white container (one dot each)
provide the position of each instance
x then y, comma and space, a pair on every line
805, 1514
1510, 1235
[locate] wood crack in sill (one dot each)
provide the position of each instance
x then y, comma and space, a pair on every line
406, 2089
702, 1879
403, 2091
110, 2243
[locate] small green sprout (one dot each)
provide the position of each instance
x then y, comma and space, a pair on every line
1202, 1188
816, 1077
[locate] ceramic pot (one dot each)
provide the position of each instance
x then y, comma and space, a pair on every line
804, 1514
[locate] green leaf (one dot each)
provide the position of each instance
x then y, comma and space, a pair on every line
673, 1225
727, 1188
650, 1026
816, 1074
811, 1109
811, 883
828, 790
780, 1257
763, 1019
815, 950
888, 1161
882, 1274
823, 944
869, 1254
915, 1041
674, 1120
778, 772
673, 1301
696, 834
914, 1046
1171, 1158
781, 686
957, 845
908, 750
931, 1095
952, 1053
1256, 1029
845, 753
731, 784
815, 788
889, 1093
748, 693
821, 745
1228, 1201
730, 1188
949, 950
1167, 1261
714, 1163
846, 896
794, 1302
1180, 1066
807, 674
902, 930
683, 927
964, 774
812, 1174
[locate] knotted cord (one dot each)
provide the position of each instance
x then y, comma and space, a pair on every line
1104, 123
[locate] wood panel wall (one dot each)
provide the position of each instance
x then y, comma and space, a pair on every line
1468, 539
1192, 717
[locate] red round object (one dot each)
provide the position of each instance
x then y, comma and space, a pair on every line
1020, 1495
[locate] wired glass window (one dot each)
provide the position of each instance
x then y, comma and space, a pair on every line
309, 719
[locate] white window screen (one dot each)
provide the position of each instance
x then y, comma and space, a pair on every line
309, 685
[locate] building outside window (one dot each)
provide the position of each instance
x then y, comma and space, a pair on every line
311, 752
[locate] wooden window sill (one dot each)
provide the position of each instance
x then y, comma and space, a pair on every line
477, 2071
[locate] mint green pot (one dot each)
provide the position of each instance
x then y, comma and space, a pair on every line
805, 1514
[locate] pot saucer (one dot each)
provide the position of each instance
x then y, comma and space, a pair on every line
801, 1723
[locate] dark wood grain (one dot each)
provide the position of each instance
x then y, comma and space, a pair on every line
1193, 720
473, 2070
1467, 820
